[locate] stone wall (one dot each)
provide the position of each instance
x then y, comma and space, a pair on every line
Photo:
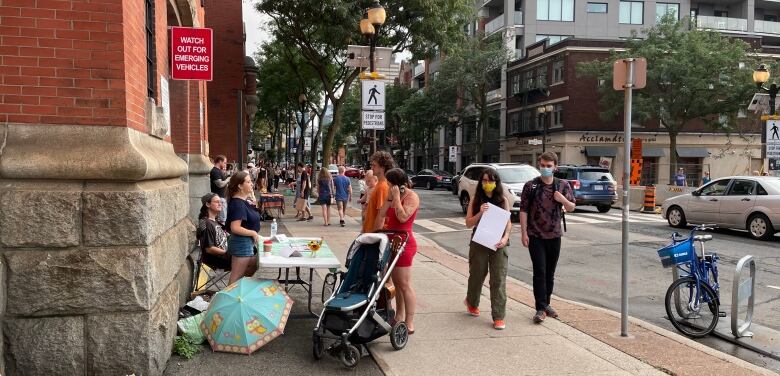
92, 271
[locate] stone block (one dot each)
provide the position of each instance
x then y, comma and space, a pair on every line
44, 346
20, 209
132, 214
167, 255
77, 281
133, 343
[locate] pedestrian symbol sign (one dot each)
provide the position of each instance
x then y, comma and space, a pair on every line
773, 139
373, 95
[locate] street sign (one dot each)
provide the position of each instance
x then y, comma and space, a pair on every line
535, 141
192, 53
453, 154
619, 75
373, 95
307, 143
373, 120
773, 139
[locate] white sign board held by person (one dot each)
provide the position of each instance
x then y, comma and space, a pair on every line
373, 120
491, 227
373, 95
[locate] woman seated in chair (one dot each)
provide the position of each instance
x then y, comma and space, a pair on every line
211, 235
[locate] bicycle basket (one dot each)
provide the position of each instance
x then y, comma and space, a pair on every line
678, 253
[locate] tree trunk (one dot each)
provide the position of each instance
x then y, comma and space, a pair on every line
315, 141
672, 156
299, 152
481, 135
327, 143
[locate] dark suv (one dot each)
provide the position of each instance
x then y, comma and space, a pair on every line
593, 185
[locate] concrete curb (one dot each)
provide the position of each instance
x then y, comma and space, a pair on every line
632, 320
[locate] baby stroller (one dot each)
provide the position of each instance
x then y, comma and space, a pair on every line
358, 311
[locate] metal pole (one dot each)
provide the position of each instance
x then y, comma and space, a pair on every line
545, 117
240, 155
371, 70
626, 184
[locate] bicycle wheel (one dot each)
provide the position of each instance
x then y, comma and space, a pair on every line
694, 314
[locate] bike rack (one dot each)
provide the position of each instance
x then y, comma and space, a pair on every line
741, 291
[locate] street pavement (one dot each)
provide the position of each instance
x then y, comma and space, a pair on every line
589, 268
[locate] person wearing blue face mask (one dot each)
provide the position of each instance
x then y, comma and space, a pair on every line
540, 221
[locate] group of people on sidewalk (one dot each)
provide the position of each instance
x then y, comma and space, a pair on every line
330, 191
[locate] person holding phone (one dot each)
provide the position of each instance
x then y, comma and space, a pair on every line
483, 259
398, 213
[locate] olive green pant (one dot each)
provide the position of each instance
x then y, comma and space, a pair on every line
482, 260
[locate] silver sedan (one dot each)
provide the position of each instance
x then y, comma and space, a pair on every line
749, 203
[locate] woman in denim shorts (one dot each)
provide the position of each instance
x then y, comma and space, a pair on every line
243, 220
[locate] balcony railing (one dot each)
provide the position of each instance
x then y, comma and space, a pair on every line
768, 27
419, 69
494, 95
519, 17
721, 23
494, 25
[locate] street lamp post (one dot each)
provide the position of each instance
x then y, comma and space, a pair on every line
369, 27
302, 102
760, 77
544, 116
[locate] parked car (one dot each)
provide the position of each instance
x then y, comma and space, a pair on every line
513, 177
333, 169
749, 203
432, 179
454, 185
593, 185
409, 173
352, 172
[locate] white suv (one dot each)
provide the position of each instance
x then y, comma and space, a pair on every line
513, 177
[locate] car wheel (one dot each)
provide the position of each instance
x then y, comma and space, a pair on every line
464, 202
430, 186
760, 227
676, 217
603, 208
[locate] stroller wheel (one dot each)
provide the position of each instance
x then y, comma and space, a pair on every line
399, 335
350, 356
318, 347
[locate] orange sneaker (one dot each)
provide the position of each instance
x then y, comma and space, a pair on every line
499, 324
474, 311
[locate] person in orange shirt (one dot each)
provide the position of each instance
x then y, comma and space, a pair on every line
381, 162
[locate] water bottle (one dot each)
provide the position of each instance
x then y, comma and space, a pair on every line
274, 227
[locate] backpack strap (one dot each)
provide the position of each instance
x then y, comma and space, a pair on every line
534, 191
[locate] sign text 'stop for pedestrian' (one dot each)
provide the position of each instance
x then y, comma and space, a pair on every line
192, 53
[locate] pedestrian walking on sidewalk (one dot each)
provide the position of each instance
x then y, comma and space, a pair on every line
244, 223
482, 259
302, 204
541, 204
325, 191
381, 162
343, 193
400, 210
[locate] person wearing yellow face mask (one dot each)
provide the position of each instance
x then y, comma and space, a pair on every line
482, 259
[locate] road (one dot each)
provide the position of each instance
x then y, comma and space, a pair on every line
589, 267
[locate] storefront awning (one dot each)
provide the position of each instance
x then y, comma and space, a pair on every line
653, 152
601, 151
692, 152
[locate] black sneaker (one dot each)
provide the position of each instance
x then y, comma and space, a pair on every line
540, 316
310, 218
551, 312
342, 223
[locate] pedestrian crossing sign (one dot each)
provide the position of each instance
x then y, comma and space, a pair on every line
773, 139
373, 95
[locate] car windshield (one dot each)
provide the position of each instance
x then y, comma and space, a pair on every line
443, 173
596, 175
515, 175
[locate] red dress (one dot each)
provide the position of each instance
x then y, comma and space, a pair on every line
394, 224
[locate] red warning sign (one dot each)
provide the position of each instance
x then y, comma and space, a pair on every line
192, 53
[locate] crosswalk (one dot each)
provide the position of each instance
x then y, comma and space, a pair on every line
455, 224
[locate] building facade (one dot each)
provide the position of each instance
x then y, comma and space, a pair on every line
101, 153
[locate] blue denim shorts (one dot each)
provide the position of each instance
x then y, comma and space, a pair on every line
241, 246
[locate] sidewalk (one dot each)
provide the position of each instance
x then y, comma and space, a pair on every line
585, 341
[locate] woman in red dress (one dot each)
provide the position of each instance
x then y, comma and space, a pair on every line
398, 214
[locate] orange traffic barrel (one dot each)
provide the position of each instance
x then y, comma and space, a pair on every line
649, 198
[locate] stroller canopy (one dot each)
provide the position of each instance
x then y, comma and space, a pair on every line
370, 238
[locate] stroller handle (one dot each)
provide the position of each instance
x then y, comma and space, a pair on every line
397, 237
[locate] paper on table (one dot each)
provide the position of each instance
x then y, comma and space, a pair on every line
289, 251
491, 227
281, 238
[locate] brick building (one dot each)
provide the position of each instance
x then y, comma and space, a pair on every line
547, 76
100, 154
235, 80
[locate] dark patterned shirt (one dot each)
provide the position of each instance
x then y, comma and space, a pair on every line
544, 219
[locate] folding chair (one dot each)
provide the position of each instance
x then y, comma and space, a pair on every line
208, 270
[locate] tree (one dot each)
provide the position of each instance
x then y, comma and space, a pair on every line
322, 29
468, 73
691, 75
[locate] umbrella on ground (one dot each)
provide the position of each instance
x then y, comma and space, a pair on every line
246, 315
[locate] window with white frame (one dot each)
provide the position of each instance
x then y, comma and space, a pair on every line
552, 39
631, 12
528, 79
541, 76
515, 84
557, 71
555, 10
558, 116
661, 9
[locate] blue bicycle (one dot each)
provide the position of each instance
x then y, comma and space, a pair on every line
693, 300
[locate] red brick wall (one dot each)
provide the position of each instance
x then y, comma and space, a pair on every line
61, 62
225, 17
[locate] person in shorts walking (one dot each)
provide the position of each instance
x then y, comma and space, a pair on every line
343, 193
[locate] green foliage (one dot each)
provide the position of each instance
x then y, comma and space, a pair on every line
322, 29
691, 75
184, 347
